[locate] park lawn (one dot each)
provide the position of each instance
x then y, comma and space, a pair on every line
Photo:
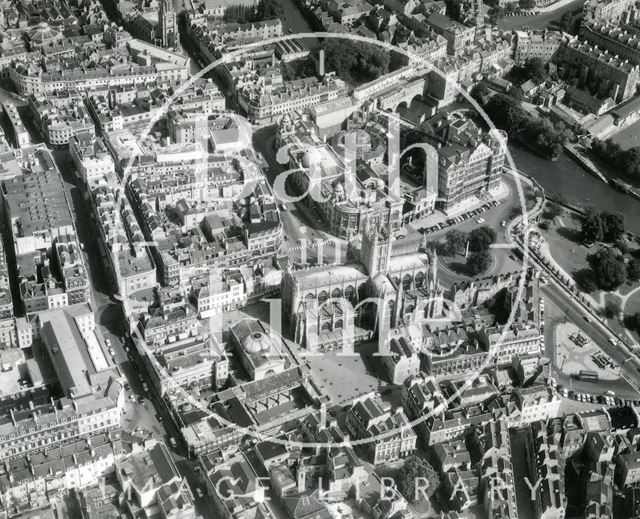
564, 237
632, 305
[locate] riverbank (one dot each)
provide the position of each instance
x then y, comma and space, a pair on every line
574, 151
568, 181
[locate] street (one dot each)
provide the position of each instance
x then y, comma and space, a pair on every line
300, 222
541, 21
147, 413
560, 307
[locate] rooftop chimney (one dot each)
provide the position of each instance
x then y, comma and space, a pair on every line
321, 63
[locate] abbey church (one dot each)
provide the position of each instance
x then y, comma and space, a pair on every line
389, 283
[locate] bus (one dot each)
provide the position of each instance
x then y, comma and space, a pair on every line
590, 376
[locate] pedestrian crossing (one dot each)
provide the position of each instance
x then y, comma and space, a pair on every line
524, 13
311, 245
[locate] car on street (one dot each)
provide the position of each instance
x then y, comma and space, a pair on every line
480, 220
199, 492
173, 442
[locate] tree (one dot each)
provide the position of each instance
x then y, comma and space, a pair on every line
608, 269
352, 60
592, 228
622, 246
417, 473
633, 269
495, 14
505, 112
553, 210
269, 9
455, 240
612, 309
613, 227
481, 238
478, 262
566, 22
480, 91
632, 322
535, 68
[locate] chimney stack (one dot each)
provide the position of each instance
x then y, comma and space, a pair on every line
321, 63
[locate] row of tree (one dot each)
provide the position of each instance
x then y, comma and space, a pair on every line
626, 162
603, 226
265, 10
507, 114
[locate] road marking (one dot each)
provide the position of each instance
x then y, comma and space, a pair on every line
310, 245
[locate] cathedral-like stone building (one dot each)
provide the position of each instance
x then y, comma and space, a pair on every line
390, 282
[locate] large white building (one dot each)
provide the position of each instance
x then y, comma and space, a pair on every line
91, 158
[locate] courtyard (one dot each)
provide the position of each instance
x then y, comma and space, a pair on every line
344, 377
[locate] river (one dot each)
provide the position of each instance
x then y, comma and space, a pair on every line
579, 187
294, 22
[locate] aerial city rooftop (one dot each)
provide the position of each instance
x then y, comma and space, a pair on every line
390, 271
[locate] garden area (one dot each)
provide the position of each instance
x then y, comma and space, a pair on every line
595, 250
468, 254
